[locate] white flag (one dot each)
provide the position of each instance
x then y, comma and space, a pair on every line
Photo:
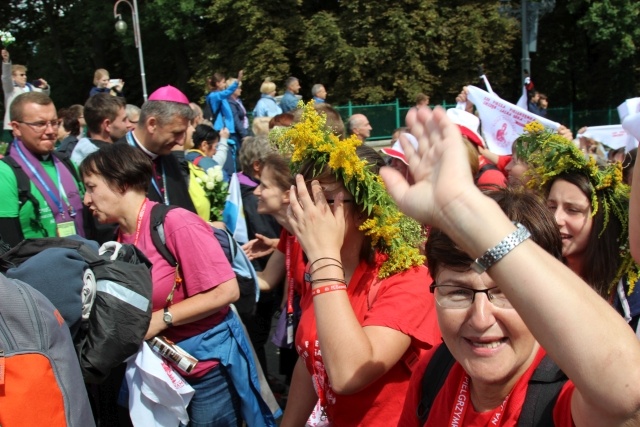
502, 122
629, 107
613, 136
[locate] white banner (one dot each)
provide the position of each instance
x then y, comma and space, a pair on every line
613, 136
502, 122
628, 107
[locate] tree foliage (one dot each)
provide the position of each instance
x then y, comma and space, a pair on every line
363, 51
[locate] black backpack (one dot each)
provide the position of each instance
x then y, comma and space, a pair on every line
537, 411
245, 273
104, 299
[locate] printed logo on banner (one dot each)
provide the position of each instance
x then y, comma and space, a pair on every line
503, 135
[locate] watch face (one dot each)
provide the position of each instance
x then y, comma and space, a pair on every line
167, 317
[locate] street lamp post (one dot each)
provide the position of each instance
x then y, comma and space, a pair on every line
525, 67
529, 13
121, 27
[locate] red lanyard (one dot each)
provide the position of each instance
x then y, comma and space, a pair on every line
460, 405
141, 212
290, 281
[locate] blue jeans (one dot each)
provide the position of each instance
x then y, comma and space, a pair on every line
215, 402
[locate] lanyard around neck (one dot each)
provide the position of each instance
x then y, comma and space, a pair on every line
141, 211
63, 195
461, 404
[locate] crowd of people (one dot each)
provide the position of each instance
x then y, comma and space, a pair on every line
388, 307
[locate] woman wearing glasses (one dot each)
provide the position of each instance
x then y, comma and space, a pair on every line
532, 306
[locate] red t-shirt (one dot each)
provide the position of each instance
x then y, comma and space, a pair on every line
445, 407
203, 266
402, 302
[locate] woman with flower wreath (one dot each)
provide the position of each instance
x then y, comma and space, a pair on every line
501, 313
591, 207
367, 314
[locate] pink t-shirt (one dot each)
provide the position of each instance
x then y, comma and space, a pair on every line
203, 265
402, 302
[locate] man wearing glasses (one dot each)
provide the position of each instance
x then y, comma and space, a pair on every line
14, 83
41, 194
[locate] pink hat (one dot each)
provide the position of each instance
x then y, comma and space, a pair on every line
170, 94
396, 150
468, 125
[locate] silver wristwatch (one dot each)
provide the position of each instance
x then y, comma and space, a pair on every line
496, 253
167, 317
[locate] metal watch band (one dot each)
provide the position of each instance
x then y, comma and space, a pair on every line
496, 253
167, 317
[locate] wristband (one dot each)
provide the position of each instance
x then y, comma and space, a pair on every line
329, 288
496, 253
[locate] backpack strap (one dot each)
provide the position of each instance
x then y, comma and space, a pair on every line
544, 386
158, 237
159, 213
433, 379
24, 191
227, 243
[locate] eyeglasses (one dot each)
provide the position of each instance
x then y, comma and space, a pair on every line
449, 296
40, 127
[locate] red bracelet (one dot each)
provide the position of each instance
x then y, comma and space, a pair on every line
329, 288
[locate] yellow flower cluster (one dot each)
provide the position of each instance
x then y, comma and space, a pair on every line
311, 140
534, 127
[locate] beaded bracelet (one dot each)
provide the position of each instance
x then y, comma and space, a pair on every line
329, 288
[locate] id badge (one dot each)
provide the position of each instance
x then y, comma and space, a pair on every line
289, 329
66, 229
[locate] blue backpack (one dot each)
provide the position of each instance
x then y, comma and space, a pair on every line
245, 273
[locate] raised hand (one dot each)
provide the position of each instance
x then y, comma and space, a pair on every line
440, 169
318, 227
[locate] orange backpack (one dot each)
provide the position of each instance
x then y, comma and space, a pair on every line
40, 379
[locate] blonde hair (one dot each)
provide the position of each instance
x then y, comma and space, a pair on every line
232, 81
15, 69
99, 75
267, 86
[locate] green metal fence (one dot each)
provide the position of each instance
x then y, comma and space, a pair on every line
385, 118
